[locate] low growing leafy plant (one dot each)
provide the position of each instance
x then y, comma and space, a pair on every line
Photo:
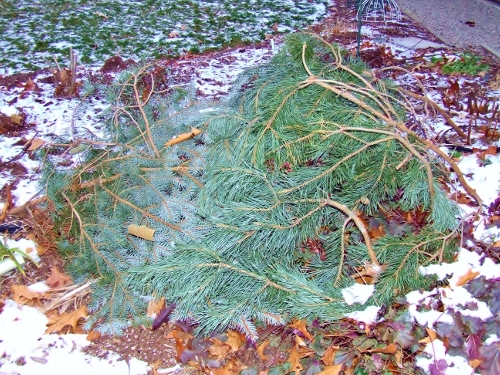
466, 63
10, 253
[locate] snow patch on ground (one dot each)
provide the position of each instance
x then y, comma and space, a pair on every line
436, 352
27, 350
357, 293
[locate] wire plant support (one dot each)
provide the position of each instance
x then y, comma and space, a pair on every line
375, 10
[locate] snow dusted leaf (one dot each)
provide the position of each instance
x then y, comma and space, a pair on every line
491, 359
404, 339
473, 347
473, 324
451, 331
478, 287
439, 367
494, 302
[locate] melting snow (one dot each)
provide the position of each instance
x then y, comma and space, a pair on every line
27, 350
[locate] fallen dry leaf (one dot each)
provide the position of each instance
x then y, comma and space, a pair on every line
300, 341
389, 349
22, 295
460, 198
3, 211
9, 202
68, 319
491, 150
328, 357
296, 354
180, 348
219, 349
155, 306
40, 250
16, 119
35, 144
29, 85
93, 335
180, 335
398, 356
432, 335
235, 340
474, 363
232, 367
301, 325
331, 370
58, 279
261, 349
469, 275
294, 360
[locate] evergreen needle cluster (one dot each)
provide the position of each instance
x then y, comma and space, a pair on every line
264, 217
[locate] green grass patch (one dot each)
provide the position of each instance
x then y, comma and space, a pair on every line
139, 29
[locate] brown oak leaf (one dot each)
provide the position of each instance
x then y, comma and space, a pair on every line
331, 370
219, 349
22, 295
58, 279
235, 339
301, 325
68, 319
464, 279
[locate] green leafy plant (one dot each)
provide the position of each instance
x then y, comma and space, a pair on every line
466, 63
8, 253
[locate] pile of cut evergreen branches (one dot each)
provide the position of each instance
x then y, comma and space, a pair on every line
260, 209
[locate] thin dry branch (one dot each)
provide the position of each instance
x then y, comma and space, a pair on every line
359, 223
397, 125
244, 272
436, 106
143, 212
140, 106
27, 206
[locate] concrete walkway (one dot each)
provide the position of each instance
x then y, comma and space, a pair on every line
447, 20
